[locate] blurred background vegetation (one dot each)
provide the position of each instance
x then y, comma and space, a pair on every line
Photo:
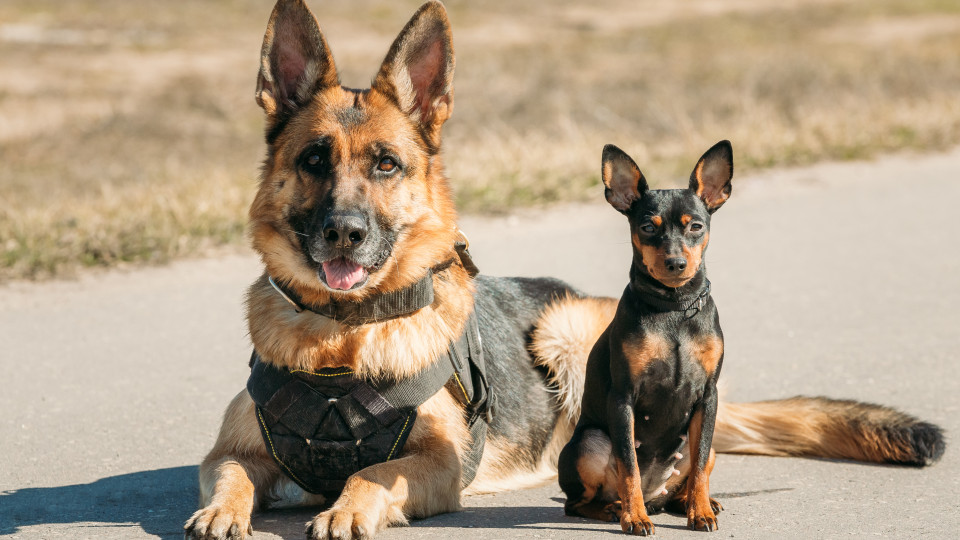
129, 133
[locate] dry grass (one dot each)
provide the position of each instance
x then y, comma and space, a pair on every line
128, 130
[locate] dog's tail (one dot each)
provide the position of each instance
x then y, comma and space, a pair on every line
829, 428
561, 343
799, 426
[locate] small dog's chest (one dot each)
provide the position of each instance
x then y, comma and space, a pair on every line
666, 395
672, 382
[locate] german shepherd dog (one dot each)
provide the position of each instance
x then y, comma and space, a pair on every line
353, 208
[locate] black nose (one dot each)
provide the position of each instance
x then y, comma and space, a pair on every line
344, 230
675, 264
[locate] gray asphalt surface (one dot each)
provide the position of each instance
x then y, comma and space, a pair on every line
838, 280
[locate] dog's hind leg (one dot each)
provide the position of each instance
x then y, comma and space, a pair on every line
233, 477
587, 475
424, 481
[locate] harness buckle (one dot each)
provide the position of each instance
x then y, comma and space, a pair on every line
296, 307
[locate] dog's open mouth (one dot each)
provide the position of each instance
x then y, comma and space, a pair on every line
343, 274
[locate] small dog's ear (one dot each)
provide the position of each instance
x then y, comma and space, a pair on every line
418, 70
622, 178
295, 61
710, 179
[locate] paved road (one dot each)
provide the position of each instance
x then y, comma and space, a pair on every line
839, 280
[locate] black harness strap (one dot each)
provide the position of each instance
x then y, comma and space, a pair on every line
321, 427
466, 354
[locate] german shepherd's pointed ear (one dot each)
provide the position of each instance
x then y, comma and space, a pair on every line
710, 179
295, 61
418, 71
622, 178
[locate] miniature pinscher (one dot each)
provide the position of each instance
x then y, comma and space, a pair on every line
651, 382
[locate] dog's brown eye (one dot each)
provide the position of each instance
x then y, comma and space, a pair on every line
696, 227
387, 165
315, 159
648, 228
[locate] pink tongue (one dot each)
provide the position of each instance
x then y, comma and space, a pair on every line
342, 273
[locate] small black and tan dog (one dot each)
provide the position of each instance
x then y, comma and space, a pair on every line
651, 379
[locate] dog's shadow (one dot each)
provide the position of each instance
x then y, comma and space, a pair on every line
289, 523
158, 501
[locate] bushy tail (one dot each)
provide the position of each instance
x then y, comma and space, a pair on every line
799, 426
561, 343
829, 428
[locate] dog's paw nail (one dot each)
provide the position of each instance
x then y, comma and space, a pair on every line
675, 472
636, 444
678, 455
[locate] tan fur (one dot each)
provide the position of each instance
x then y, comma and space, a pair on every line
423, 208
399, 347
561, 342
629, 487
707, 350
700, 515
676, 485
639, 355
235, 474
596, 467
424, 481
653, 259
499, 470
813, 427
712, 192
621, 181
694, 256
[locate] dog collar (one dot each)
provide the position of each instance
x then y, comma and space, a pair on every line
384, 306
690, 304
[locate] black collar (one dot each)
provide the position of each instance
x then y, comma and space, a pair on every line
690, 304
384, 306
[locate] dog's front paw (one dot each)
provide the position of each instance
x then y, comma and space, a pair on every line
217, 523
341, 524
637, 525
705, 522
715, 506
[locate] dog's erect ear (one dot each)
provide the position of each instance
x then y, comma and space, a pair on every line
418, 70
622, 178
295, 61
710, 179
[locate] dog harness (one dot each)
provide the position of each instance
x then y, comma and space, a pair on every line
323, 426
